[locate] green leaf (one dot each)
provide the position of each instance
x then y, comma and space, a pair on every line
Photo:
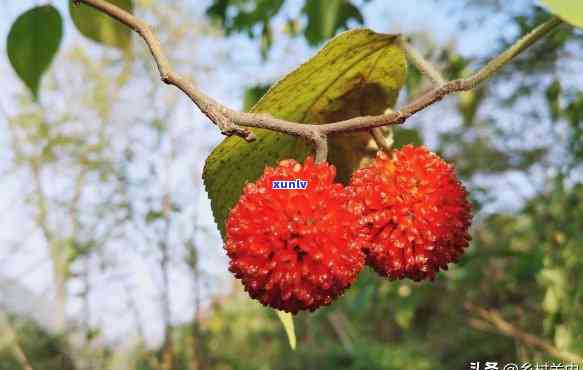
266, 39
363, 298
414, 81
568, 10
263, 11
218, 10
326, 17
553, 93
101, 27
33, 42
239, 16
288, 323
153, 216
469, 103
403, 136
357, 73
252, 96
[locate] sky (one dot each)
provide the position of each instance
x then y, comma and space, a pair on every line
223, 68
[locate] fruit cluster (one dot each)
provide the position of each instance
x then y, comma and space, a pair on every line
406, 215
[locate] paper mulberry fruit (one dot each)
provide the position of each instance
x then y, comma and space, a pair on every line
294, 249
415, 210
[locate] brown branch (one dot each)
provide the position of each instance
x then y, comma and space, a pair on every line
379, 137
215, 111
321, 145
231, 122
493, 318
383, 143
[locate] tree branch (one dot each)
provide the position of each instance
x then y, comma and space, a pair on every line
216, 112
422, 64
518, 47
231, 122
321, 145
493, 318
381, 140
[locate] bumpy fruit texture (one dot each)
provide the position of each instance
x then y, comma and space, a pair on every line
294, 249
415, 210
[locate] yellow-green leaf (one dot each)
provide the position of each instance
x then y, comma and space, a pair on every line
288, 323
33, 42
357, 73
569, 10
101, 27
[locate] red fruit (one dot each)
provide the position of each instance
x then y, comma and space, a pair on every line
415, 210
294, 249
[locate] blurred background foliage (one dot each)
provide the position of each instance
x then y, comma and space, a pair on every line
516, 141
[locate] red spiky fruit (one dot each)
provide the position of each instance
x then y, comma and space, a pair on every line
415, 210
294, 249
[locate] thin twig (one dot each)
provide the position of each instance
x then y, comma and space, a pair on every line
378, 135
493, 318
230, 122
421, 63
436, 94
321, 145
382, 142
216, 112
